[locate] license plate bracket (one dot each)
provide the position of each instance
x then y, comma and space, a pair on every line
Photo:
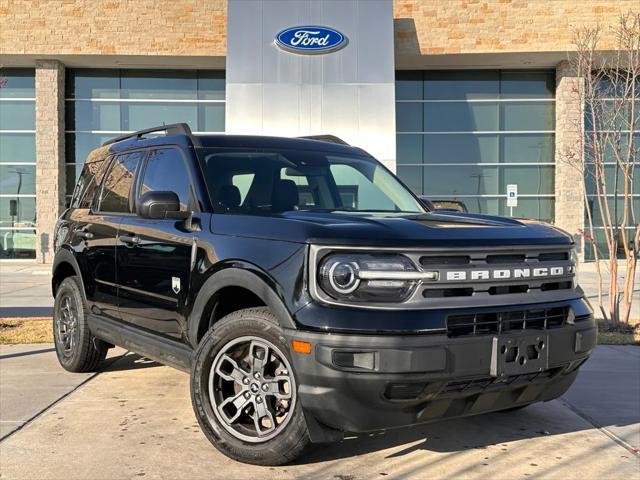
519, 354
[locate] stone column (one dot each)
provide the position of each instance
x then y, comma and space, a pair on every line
569, 211
50, 161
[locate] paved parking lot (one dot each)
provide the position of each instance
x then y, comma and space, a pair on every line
134, 420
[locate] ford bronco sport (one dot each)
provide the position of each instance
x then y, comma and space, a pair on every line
307, 291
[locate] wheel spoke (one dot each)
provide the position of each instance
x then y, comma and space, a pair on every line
259, 357
237, 374
239, 402
275, 387
261, 413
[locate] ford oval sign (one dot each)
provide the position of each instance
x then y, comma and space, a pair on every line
310, 40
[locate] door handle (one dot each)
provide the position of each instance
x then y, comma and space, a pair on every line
129, 240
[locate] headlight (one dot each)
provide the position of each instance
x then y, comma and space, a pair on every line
367, 277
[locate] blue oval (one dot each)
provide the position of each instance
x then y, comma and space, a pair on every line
310, 39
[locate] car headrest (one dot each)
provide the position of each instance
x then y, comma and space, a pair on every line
285, 196
229, 196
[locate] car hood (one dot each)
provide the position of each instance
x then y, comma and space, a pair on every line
429, 229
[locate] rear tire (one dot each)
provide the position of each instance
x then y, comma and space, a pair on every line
77, 349
246, 403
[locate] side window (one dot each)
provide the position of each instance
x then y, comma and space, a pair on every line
166, 171
116, 188
89, 183
243, 182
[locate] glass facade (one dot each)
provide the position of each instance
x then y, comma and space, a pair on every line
611, 124
17, 164
467, 134
102, 104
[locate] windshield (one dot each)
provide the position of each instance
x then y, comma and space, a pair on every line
268, 182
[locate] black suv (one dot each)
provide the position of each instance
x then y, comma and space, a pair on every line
307, 291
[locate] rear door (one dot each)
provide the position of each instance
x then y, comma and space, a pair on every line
96, 230
155, 256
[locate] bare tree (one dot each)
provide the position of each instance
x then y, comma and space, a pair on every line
607, 153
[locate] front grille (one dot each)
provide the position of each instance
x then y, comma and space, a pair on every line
499, 322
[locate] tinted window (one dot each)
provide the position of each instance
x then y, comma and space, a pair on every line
275, 182
166, 172
88, 183
117, 186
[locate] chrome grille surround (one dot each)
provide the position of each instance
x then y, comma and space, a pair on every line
516, 275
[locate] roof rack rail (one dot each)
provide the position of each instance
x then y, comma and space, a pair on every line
326, 138
171, 129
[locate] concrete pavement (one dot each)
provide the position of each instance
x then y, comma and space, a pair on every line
135, 420
31, 380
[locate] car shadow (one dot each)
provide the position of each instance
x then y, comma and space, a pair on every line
128, 361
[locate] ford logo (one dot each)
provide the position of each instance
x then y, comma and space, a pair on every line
310, 40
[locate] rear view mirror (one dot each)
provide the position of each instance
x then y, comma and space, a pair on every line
160, 205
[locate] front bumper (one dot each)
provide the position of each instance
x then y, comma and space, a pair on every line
359, 383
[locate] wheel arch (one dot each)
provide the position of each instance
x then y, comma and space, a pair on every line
256, 282
65, 265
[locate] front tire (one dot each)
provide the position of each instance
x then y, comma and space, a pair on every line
77, 349
243, 390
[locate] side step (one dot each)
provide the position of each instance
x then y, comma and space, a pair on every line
162, 350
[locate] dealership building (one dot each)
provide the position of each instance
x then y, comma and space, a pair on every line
464, 99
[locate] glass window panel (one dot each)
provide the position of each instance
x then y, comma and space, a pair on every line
93, 116
18, 212
527, 84
601, 243
470, 180
138, 116
530, 179
78, 145
529, 148
531, 207
20, 83
159, 84
485, 206
409, 149
460, 117
17, 244
527, 116
210, 117
610, 174
409, 85
463, 148
211, 85
166, 171
19, 115
101, 83
461, 84
412, 177
17, 147
17, 179
116, 187
409, 117
616, 210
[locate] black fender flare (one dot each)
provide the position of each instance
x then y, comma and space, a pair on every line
236, 277
65, 255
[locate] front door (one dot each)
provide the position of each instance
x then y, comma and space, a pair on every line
154, 256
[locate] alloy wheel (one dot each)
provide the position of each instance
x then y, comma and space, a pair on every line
252, 389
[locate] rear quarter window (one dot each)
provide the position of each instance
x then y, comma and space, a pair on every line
89, 181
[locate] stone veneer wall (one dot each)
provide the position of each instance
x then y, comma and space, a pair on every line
569, 212
50, 168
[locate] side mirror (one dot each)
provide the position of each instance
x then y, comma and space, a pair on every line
160, 205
